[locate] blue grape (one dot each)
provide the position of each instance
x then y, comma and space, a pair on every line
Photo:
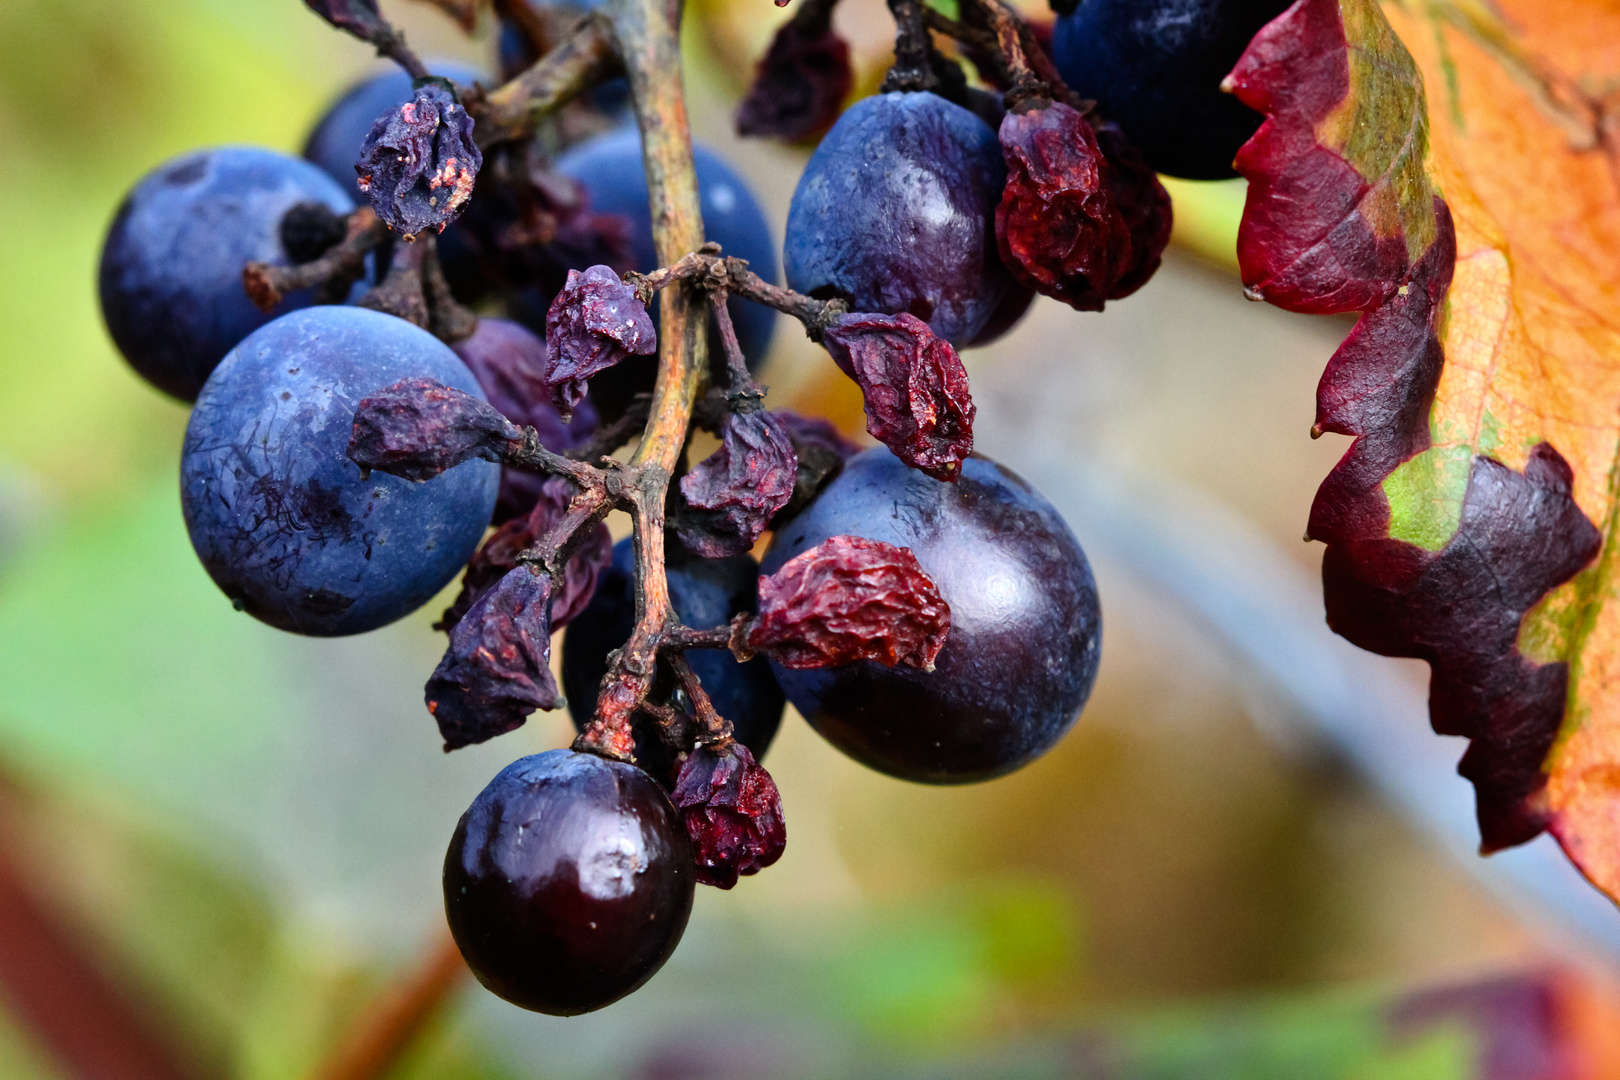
279, 515
1025, 625
895, 212
705, 593
171, 267
609, 167
1155, 68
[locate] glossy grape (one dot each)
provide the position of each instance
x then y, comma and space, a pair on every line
1023, 646
609, 167
279, 515
568, 882
171, 267
895, 213
706, 593
1155, 68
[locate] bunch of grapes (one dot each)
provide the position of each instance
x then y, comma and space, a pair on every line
473, 322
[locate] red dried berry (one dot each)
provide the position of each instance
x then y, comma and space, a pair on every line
595, 322
497, 669
1143, 204
1057, 225
734, 492
419, 163
732, 813
418, 428
499, 554
916, 389
800, 84
849, 599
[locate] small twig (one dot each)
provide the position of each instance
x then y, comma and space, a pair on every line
708, 269
582, 60
741, 390
911, 70
732, 636
401, 293
714, 729
335, 271
387, 1028
447, 318
608, 440
552, 551
532, 22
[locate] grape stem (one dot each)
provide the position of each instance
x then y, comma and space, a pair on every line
912, 68
586, 57
336, 270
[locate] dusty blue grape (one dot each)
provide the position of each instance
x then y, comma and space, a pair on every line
609, 166
279, 515
1155, 68
171, 267
895, 212
1025, 634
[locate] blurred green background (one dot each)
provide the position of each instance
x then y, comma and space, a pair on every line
244, 828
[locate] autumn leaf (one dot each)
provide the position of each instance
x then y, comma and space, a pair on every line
1445, 168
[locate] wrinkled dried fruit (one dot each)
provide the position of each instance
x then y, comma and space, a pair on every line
497, 669
359, 17
500, 552
735, 491
419, 163
916, 389
595, 322
849, 599
1143, 204
799, 86
821, 451
1057, 225
732, 813
418, 428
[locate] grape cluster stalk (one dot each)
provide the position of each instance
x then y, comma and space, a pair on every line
359, 428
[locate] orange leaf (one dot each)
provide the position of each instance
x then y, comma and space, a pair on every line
1445, 167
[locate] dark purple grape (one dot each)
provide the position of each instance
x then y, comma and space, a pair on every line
1155, 68
1022, 651
277, 512
171, 268
609, 167
509, 363
334, 145
705, 592
568, 882
1013, 307
895, 213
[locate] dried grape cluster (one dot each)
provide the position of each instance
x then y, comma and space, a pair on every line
360, 435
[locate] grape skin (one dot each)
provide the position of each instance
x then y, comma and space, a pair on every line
568, 882
1155, 68
171, 267
705, 593
280, 516
1025, 626
895, 213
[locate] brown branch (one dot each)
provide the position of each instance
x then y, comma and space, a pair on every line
583, 59
335, 271
609, 439
912, 45
401, 293
447, 318
708, 269
387, 1028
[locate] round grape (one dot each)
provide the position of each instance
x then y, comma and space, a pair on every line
171, 267
278, 514
1155, 69
705, 593
895, 213
568, 882
1022, 651
609, 167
